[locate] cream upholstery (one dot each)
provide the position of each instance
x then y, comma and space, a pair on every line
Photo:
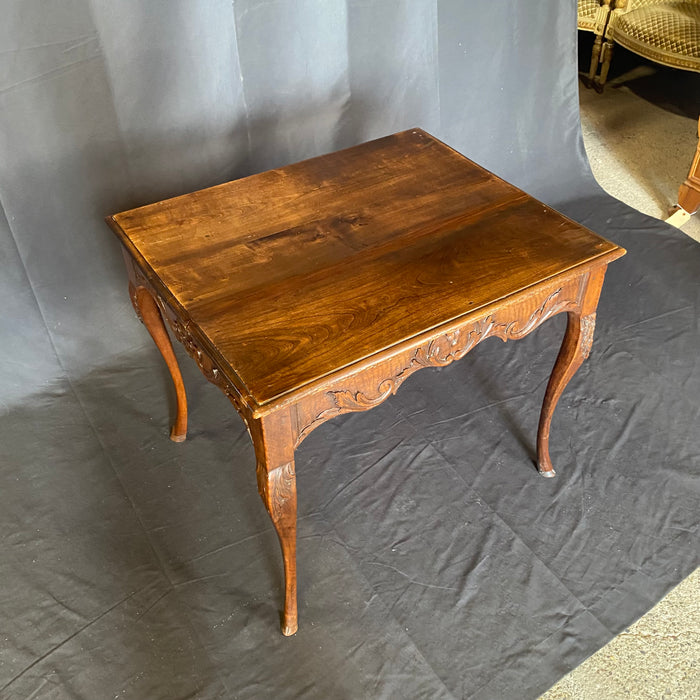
665, 31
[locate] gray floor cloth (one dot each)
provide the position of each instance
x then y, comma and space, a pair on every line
433, 561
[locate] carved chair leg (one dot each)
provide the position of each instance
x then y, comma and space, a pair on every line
599, 84
595, 59
277, 487
149, 313
574, 350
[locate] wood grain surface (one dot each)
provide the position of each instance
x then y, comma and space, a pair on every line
295, 273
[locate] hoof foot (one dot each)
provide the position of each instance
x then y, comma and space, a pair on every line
178, 438
289, 630
548, 474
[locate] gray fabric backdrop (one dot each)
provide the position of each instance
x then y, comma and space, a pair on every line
433, 560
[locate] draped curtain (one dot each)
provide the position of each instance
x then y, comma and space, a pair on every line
110, 105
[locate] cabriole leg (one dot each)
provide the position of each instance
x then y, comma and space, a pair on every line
574, 350
149, 313
277, 487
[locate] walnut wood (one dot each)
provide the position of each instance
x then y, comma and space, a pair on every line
689, 192
319, 288
274, 450
272, 267
373, 382
148, 311
575, 348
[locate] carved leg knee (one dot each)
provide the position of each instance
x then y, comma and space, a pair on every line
278, 491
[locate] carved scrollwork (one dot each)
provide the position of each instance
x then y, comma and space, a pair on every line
587, 331
204, 362
439, 352
548, 308
276, 488
348, 401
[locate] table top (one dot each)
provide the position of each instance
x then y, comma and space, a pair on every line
296, 273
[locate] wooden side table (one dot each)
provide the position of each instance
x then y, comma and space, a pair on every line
317, 289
